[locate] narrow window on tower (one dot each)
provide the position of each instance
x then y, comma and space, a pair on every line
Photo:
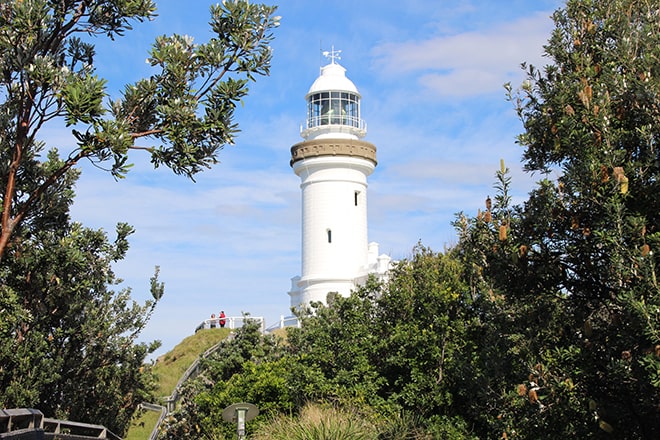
356, 195
329, 235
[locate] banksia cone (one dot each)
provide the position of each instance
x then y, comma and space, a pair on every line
602, 424
533, 397
604, 175
575, 224
617, 172
620, 177
503, 229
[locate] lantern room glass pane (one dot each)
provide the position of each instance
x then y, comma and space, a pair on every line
339, 108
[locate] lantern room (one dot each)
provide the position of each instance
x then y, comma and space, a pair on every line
333, 105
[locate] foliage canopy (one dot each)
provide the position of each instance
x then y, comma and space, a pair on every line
182, 114
67, 340
573, 269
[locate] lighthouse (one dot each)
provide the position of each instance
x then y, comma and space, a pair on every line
333, 163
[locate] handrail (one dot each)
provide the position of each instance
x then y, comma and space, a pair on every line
13, 419
22, 422
327, 119
78, 430
163, 413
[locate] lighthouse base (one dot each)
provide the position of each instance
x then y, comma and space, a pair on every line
307, 290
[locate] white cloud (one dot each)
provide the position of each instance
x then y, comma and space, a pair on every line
470, 63
463, 82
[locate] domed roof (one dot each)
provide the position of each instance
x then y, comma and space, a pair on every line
333, 77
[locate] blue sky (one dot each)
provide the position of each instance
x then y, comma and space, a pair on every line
431, 76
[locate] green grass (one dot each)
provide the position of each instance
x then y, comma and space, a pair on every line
169, 368
142, 426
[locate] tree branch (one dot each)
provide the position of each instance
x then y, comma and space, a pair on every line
146, 133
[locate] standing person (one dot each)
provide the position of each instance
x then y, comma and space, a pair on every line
213, 321
222, 319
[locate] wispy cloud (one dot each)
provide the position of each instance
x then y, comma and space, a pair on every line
471, 63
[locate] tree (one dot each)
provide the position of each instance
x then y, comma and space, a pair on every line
335, 349
574, 268
183, 113
68, 342
520, 325
421, 311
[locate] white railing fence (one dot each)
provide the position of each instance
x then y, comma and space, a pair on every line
285, 321
232, 322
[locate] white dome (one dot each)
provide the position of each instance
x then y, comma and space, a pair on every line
333, 77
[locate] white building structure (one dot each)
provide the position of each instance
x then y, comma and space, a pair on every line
333, 163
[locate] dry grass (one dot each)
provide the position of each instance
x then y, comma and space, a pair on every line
318, 422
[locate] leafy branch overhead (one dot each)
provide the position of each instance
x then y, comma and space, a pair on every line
182, 115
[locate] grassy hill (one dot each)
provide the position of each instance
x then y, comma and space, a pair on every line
169, 368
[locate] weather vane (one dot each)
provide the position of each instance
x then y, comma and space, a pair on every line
332, 54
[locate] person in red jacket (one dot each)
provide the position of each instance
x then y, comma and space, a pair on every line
222, 319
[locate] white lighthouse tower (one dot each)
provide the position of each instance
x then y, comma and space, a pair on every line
333, 163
